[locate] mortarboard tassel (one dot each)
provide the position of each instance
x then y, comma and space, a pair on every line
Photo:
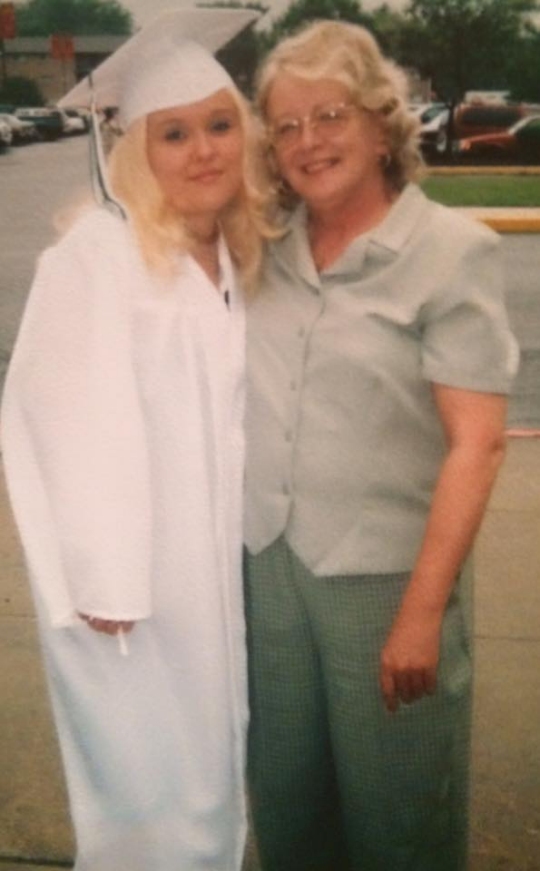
98, 166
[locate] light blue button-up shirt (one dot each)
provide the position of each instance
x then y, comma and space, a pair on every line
344, 440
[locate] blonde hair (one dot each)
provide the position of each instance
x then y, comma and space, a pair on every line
162, 231
349, 54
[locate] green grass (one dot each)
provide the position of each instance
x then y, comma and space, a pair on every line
484, 190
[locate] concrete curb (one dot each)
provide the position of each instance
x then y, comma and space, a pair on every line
506, 220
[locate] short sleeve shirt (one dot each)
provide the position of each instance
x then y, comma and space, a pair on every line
344, 440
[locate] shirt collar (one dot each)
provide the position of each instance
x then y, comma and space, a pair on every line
404, 216
384, 242
293, 251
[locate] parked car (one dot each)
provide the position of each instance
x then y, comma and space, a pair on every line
417, 109
518, 144
83, 114
48, 121
431, 111
472, 119
73, 124
433, 119
22, 131
6, 135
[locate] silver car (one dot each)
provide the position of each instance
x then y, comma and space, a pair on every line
21, 131
6, 136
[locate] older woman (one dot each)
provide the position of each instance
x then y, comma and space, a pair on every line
122, 433
379, 356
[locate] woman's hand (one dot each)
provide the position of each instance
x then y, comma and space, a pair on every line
410, 658
109, 627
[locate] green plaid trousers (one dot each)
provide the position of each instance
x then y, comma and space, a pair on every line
336, 782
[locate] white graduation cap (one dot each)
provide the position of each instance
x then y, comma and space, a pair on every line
167, 63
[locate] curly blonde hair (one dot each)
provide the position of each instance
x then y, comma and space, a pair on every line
162, 231
349, 54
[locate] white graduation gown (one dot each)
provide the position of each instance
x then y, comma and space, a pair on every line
122, 433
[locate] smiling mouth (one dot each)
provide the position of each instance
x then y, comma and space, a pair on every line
314, 167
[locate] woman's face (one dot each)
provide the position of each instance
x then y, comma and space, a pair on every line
327, 149
196, 155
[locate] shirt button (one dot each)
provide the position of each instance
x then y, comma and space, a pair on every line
288, 436
286, 490
301, 333
294, 385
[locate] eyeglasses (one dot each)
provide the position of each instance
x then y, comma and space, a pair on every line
328, 121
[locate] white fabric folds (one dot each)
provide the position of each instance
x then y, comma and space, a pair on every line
122, 433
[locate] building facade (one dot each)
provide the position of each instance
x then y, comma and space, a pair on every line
32, 58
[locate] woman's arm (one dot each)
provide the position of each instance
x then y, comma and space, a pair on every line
474, 428
74, 433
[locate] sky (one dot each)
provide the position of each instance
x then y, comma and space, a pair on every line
145, 10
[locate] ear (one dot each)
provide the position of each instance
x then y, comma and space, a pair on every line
382, 146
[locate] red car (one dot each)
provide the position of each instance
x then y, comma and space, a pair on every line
519, 144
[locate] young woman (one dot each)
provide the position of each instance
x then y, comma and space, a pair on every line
122, 433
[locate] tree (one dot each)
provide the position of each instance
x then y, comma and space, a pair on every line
240, 57
302, 11
523, 68
20, 91
458, 45
76, 17
463, 44
387, 25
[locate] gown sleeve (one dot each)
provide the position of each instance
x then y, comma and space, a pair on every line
73, 435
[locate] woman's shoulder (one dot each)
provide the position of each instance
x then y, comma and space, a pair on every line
97, 251
456, 227
94, 228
